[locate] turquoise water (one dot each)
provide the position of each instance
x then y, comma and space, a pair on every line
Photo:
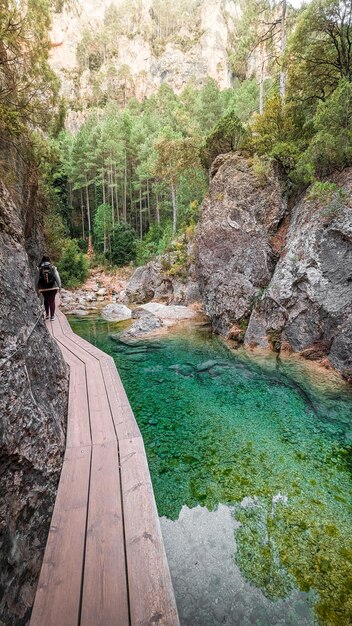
224, 427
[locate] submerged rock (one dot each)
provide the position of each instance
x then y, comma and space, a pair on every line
116, 312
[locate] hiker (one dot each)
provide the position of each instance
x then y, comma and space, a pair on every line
48, 284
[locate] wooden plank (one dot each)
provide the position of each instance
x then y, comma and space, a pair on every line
124, 419
78, 422
57, 600
102, 428
64, 323
105, 598
56, 326
151, 593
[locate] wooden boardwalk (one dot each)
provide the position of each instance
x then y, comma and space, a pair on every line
105, 561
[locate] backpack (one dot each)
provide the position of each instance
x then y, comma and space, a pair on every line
47, 276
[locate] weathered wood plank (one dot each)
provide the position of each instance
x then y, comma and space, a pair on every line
105, 562
151, 592
57, 601
105, 598
102, 428
78, 422
123, 417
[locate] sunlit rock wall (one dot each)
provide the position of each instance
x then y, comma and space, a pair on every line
190, 56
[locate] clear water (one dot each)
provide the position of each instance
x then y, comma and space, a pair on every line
270, 438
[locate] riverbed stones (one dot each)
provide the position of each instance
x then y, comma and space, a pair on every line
116, 313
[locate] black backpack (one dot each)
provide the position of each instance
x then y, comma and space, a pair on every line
47, 276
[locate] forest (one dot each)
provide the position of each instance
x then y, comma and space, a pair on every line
130, 182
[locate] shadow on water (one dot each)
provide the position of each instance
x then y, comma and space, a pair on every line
269, 439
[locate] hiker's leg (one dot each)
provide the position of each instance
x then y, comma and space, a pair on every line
46, 302
52, 303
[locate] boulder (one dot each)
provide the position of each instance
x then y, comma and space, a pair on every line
142, 326
116, 313
158, 280
308, 304
234, 256
169, 312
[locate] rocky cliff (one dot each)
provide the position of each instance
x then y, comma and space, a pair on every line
120, 49
33, 402
307, 306
235, 258
273, 277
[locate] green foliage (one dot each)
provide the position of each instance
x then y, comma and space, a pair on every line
329, 197
147, 248
261, 168
319, 51
331, 147
73, 265
55, 234
279, 133
28, 85
103, 227
244, 100
227, 136
123, 245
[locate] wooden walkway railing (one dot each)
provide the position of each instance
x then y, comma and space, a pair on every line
105, 561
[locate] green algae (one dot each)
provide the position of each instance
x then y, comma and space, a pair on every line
221, 428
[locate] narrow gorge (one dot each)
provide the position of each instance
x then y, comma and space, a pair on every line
187, 167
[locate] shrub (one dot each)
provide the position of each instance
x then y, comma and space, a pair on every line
123, 245
227, 136
73, 265
331, 147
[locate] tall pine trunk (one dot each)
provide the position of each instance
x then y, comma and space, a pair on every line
82, 217
140, 212
282, 50
90, 250
125, 192
103, 185
174, 208
157, 210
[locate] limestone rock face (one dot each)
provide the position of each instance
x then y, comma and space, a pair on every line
308, 304
234, 256
140, 63
157, 281
33, 404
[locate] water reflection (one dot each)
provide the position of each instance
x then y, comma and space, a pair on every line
231, 428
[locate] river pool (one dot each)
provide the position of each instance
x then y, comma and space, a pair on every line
250, 458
